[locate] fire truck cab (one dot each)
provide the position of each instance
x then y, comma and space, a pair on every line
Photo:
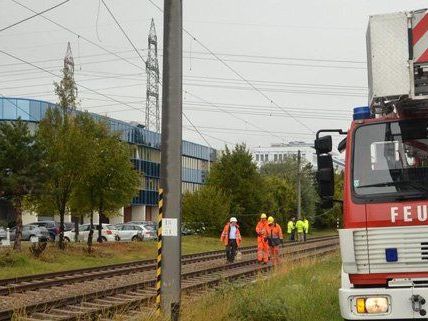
384, 239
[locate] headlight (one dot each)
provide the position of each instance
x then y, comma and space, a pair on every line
372, 305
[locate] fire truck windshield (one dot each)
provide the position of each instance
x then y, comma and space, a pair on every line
391, 160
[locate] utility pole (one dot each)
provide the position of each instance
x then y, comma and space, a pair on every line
171, 152
299, 187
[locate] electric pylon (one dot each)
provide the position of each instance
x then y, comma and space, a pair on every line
68, 58
152, 92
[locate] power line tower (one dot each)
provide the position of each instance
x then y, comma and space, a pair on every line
68, 59
66, 89
152, 92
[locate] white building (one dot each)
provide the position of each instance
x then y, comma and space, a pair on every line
276, 153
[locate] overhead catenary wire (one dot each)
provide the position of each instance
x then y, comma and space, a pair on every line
34, 15
136, 50
77, 34
142, 58
53, 74
236, 72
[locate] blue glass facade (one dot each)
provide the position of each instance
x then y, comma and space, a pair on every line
146, 158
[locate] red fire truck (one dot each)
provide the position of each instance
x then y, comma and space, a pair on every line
384, 239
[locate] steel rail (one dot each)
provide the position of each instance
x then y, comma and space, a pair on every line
141, 292
34, 282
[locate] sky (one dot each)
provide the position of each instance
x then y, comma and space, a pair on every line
295, 66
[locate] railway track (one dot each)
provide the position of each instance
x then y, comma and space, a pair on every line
35, 282
86, 297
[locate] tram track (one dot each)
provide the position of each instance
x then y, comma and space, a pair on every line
92, 295
46, 280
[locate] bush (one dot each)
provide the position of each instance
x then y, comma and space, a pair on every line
208, 207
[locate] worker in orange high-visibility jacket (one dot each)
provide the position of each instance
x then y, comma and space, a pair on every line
275, 239
262, 244
231, 238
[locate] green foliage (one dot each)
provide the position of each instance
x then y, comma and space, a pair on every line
109, 181
21, 167
67, 155
66, 90
20, 161
209, 206
236, 175
281, 184
281, 198
299, 292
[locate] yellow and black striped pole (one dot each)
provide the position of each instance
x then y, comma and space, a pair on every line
159, 257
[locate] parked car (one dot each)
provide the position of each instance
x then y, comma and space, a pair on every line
149, 232
186, 231
53, 227
2, 233
29, 231
151, 224
108, 233
130, 232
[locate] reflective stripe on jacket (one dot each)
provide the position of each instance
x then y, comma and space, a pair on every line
261, 228
225, 235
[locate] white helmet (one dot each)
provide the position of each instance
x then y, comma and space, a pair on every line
233, 219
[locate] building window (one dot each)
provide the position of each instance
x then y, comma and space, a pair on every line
257, 157
266, 157
275, 157
280, 157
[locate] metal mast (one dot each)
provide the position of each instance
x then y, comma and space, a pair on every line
152, 93
68, 59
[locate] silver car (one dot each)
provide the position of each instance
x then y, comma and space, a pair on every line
29, 231
130, 232
2, 233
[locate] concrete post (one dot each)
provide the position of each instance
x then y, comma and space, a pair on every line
171, 151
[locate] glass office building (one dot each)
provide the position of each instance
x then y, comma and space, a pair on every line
146, 156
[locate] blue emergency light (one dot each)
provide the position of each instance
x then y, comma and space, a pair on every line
391, 255
362, 112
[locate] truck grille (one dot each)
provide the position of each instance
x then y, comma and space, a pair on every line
411, 244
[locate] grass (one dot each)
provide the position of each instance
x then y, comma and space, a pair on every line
303, 293
75, 256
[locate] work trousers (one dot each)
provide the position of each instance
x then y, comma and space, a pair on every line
292, 236
300, 237
274, 254
304, 236
262, 249
231, 250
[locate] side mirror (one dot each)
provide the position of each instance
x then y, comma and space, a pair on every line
323, 145
325, 178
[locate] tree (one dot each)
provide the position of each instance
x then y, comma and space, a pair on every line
66, 90
21, 168
287, 171
67, 154
67, 150
236, 175
281, 198
208, 206
110, 181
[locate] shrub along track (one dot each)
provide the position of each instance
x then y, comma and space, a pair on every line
90, 293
